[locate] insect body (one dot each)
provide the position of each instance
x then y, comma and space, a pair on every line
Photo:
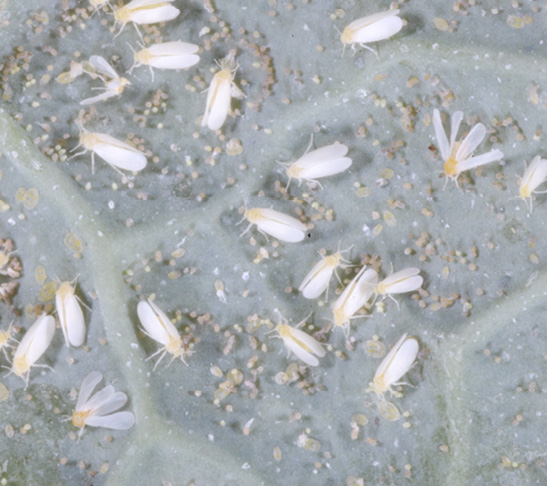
354, 296
142, 12
117, 154
34, 343
395, 365
157, 326
167, 55
71, 316
276, 224
219, 94
372, 28
322, 162
95, 410
113, 84
406, 280
304, 346
318, 278
458, 156
534, 175
5, 338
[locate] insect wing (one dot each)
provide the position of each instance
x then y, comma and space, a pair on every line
535, 174
107, 402
72, 319
154, 15
218, 103
101, 65
103, 96
398, 361
317, 280
471, 142
155, 322
118, 153
173, 55
307, 342
281, 226
36, 340
87, 387
115, 421
406, 280
301, 353
334, 151
479, 160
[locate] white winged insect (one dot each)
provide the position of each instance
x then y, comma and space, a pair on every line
117, 154
143, 12
70, 314
304, 346
220, 92
34, 343
322, 162
458, 156
396, 364
276, 224
96, 410
372, 28
98, 4
113, 84
534, 175
157, 326
400, 282
5, 338
318, 278
355, 295
166, 55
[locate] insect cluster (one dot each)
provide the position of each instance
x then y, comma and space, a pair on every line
364, 290
173, 55
94, 411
